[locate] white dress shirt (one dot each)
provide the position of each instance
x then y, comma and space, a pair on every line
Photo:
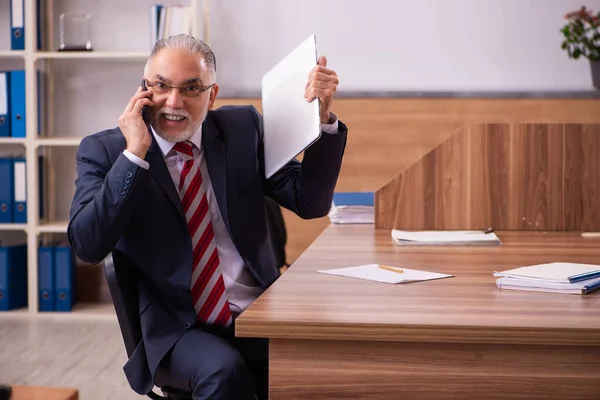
240, 286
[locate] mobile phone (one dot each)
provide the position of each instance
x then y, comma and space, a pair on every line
145, 108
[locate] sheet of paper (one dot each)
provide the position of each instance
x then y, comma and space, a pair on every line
444, 237
373, 272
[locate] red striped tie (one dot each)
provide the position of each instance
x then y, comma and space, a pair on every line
208, 287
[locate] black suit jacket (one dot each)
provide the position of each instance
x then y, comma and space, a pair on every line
120, 205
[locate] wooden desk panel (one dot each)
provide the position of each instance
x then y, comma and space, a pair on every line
43, 393
322, 369
508, 176
507, 344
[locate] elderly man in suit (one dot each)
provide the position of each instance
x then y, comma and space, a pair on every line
180, 192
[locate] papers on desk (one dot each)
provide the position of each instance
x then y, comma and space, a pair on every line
376, 272
352, 215
445, 238
557, 277
352, 208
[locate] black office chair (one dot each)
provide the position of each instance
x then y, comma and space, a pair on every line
277, 231
123, 290
122, 285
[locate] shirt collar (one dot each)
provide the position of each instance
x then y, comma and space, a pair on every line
166, 146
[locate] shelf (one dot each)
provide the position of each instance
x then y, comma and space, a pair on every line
80, 311
12, 53
124, 55
11, 140
53, 227
18, 311
84, 310
13, 227
58, 141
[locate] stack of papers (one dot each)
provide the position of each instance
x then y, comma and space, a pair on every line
352, 215
557, 277
385, 274
445, 238
352, 208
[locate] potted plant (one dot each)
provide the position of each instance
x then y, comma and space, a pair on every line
582, 39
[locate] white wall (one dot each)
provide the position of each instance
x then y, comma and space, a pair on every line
376, 45
400, 45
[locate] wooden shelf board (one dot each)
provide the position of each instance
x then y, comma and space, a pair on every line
123, 55
53, 227
11, 140
13, 227
65, 141
12, 53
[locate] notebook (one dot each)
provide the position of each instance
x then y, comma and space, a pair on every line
445, 238
291, 124
564, 272
528, 284
375, 272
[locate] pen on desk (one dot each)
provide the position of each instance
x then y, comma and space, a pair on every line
393, 269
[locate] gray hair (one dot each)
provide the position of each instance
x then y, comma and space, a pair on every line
186, 42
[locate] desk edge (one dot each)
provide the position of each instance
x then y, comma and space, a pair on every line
423, 333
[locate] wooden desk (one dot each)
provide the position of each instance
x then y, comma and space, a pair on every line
43, 393
457, 338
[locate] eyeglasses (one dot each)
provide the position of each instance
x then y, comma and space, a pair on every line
193, 90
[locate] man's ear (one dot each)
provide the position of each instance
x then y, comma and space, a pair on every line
213, 95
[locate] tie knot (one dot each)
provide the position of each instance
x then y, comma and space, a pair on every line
186, 149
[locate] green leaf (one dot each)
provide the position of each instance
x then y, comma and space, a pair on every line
576, 53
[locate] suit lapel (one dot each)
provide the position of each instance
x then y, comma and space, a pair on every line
213, 143
159, 169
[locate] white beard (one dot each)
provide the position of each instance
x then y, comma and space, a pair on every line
186, 134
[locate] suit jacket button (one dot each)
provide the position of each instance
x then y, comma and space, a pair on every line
187, 325
128, 174
125, 186
122, 192
185, 290
127, 180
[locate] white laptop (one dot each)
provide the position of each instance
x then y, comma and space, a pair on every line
291, 123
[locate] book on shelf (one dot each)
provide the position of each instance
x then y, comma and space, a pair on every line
169, 20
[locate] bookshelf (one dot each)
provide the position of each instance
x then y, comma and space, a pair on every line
62, 91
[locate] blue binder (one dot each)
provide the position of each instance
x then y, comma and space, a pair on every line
41, 167
353, 198
13, 277
4, 104
6, 190
17, 103
64, 278
46, 277
19, 191
17, 24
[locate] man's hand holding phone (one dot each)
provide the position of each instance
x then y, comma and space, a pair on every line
133, 126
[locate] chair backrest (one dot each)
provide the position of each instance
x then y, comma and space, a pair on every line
278, 231
123, 290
